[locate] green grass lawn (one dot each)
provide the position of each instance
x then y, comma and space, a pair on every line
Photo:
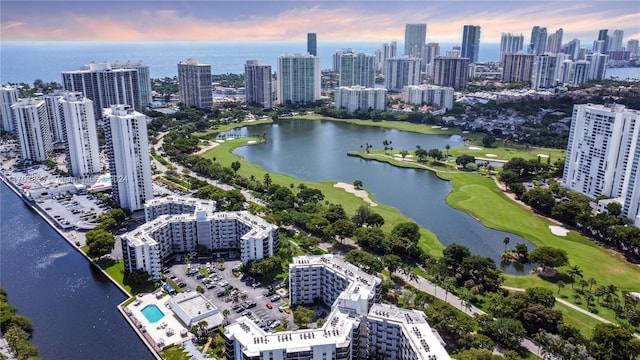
231, 126
174, 353
398, 125
505, 153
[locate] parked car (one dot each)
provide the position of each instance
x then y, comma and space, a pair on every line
269, 306
274, 298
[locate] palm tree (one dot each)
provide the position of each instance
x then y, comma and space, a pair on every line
592, 282
267, 181
506, 241
560, 285
226, 313
447, 148
574, 272
583, 284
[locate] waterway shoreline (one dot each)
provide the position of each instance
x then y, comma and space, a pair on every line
43, 215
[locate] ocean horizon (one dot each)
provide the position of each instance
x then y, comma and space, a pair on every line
26, 61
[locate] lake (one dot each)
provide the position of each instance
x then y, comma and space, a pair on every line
317, 151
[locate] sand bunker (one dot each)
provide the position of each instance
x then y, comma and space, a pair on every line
359, 193
436, 126
490, 155
251, 142
543, 155
558, 230
474, 148
220, 141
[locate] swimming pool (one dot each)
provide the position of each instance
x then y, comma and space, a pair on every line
152, 313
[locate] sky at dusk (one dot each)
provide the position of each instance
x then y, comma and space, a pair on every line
238, 20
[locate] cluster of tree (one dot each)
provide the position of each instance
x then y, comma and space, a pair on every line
165, 86
303, 316
228, 80
100, 240
378, 115
16, 330
226, 200
265, 266
458, 268
422, 154
569, 207
402, 240
177, 144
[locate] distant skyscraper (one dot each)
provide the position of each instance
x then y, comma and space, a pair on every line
387, 51
298, 78
400, 72
572, 48
8, 97
194, 82
554, 43
517, 67
432, 51
471, 42
616, 40
56, 119
144, 80
258, 84
597, 66
545, 70
510, 44
603, 155
604, 36
415, 36
128, 153
105, 86
80, 134
538, 43
337, 55
357, 69
312, 44
452, 72
598, 46
632, 47
32, 129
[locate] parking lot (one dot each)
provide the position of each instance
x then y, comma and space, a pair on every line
252, 299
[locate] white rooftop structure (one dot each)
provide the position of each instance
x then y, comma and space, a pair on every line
193, 307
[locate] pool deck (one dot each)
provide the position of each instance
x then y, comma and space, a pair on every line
161, 334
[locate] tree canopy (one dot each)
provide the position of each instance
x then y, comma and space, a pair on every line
549, 257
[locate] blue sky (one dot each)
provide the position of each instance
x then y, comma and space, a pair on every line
217, 20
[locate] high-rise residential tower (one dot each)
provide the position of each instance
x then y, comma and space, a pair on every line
387, 51
517, 67
400, 72
32, 129
572, 48
357, 69
470, 42
554, 43
105, 86
597, 66
128, 153
603, 35
194, 83
510, 44
632, 47
538, 43
144, 80
56, 119
603, 155
8, 97
312, 44
298, 78
80, 134
451, 71
616, 40
258, 84
337, 55
415, 36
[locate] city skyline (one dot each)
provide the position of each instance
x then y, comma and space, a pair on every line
383, 21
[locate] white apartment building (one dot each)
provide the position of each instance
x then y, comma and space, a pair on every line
80, 135
354, 98
128, 153
387, 51
8, 97
357, 69
400, 72
398, 334
429, 94
144, 80
171, 230
298, 79
194, 83
358, 327
56, 120
597, 66
105, 86
603, 155
31, 125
